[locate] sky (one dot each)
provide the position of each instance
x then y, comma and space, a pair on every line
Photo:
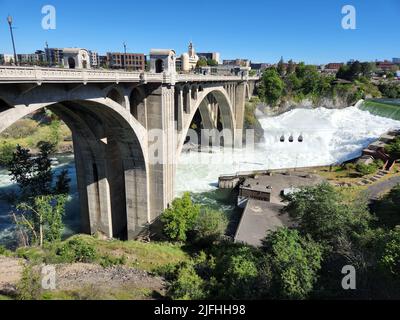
260, 30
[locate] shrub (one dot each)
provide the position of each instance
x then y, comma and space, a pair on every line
188, 285
295, 262
210, 226
180, 218
77, 250
367, 169
29, 286
6, 153
107, 261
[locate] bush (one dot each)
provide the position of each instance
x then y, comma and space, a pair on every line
188, 285
180, 218
210, 226
367, 169
77, 250
107, 261
295, 262
29, 287
6, 153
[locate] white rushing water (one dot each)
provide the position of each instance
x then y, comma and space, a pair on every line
329, 136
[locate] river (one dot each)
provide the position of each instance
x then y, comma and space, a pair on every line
328, 136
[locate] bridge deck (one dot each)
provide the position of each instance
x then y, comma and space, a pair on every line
59, 75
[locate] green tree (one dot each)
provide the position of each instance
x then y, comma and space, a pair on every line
295, 262
390, 258
42, 220
271, 87
212, 62
6, 153
188, 284
202, 62
281, 68
210, 226
321, 212
180, 218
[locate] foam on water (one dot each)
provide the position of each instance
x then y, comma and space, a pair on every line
329, 136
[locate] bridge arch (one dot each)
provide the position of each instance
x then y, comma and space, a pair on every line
201, 105
116, 95
111, 163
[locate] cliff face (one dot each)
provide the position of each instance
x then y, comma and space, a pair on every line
337, 103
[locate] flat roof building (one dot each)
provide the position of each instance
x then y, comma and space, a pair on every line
130, 61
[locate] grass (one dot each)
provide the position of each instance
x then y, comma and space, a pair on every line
40, 133
91, 292
148, 257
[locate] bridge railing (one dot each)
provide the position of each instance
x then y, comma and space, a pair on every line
12, 74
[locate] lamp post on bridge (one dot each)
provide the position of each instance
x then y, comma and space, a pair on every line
125, 67
10, 21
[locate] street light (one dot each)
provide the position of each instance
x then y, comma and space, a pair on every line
125, 56
10, 21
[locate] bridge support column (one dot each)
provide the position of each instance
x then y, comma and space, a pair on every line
162, 149
238, 107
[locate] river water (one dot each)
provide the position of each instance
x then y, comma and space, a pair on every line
328, 136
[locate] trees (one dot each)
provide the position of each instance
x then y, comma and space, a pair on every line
202, 62
295, 262
210, 226
40, 206
321, 213
271, 87
180, 218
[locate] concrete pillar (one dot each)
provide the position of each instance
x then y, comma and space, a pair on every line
162, 175
238, 107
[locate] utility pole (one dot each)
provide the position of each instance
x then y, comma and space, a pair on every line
125, 56
10, 21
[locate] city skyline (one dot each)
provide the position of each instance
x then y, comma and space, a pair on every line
309, 32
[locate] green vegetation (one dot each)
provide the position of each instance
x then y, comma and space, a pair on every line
250, 119
180, 218
28, 132
29, 287
393, 148
291, 82
295, 262
39, 207
367, 169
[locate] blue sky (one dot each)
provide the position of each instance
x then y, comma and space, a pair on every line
261, 30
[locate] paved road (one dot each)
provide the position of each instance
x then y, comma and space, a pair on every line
375, 190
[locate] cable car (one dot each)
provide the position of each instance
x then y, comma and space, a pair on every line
291, 139
301, 138
282, 138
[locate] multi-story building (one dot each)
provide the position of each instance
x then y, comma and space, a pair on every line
103, 62
385, 65
237, 63
6, 59
260, 66
333, 66
54, 56
130, 61
210, 56
396, 60
94, 59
